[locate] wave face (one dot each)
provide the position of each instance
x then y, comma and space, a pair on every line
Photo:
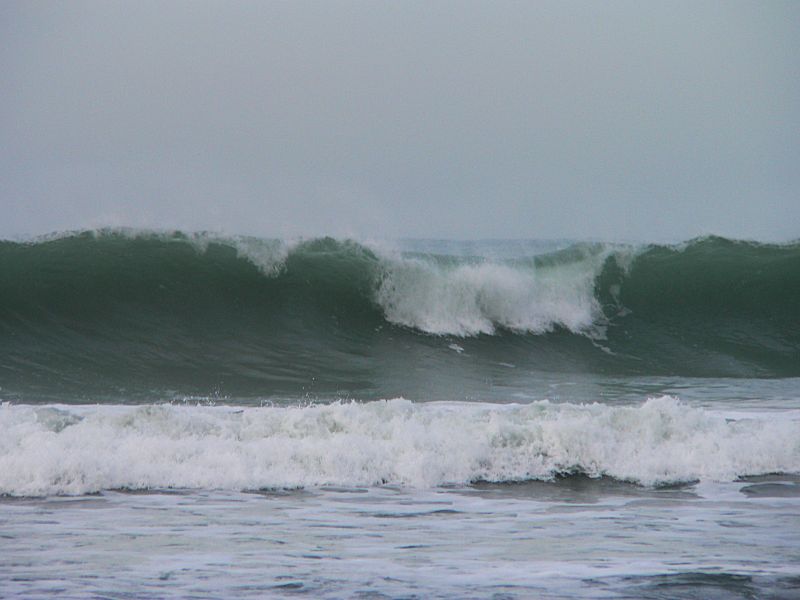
102, 312
76, 450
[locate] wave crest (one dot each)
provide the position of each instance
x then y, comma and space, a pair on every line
196, 313
470, 299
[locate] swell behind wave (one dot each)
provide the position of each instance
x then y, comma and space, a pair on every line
196, 312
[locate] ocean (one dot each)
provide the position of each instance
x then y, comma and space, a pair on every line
192, 415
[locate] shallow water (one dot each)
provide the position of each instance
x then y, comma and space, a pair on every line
568, 538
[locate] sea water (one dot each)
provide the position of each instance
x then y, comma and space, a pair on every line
188, 415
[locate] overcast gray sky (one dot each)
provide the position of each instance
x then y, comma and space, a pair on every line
623, 120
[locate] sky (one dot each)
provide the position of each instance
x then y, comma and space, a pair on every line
586, 120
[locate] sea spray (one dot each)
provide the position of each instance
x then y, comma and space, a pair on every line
470, 299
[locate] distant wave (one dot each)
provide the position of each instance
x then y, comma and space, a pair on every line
60, 450
117, 307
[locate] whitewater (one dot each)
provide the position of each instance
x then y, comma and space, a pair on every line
196, 415
64, 450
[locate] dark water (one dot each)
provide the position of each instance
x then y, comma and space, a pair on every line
132, 317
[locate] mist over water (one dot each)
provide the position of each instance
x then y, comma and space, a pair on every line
504, 120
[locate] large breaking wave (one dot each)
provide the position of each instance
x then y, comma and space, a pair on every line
249, 316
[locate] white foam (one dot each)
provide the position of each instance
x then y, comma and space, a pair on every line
471, 299
73, 450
